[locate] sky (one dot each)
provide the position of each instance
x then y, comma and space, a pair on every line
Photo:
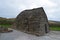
11, 8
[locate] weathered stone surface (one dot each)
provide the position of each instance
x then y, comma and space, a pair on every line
33, 21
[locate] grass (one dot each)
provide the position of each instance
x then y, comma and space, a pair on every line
55, 28
6, 26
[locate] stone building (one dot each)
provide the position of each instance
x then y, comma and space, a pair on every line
33, 21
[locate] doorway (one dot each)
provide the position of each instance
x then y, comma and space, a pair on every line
46, 29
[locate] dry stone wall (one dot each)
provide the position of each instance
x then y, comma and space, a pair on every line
33, 21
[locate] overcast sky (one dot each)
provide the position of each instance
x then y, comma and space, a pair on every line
11, 8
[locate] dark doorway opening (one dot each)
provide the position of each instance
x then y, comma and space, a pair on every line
46, 28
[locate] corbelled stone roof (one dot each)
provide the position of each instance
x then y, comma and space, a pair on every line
32, 21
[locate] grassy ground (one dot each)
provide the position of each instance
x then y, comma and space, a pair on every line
55, 28
6, 26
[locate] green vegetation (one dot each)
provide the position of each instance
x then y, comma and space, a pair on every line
55, 27
4, 22
6, 26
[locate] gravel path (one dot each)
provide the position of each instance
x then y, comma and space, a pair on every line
17, 35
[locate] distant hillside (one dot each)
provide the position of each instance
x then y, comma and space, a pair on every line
54, 22
6, 21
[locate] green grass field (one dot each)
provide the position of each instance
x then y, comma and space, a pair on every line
6, 26
55, 28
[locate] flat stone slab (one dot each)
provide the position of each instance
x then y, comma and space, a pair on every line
17, 35
6, 31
